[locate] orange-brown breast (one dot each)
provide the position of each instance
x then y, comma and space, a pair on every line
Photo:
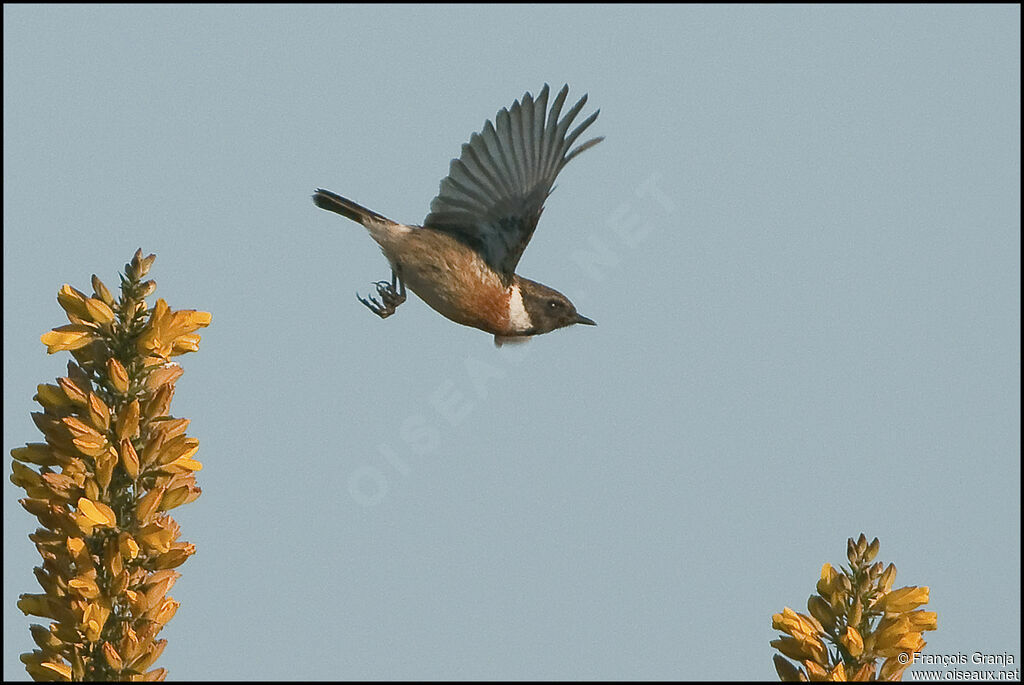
451, 278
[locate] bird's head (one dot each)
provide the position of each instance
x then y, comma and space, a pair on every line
547, 308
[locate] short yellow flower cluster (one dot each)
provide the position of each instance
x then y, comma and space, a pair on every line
113, 464
857, 611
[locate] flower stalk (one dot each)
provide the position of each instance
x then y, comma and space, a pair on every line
873, 630
113, 463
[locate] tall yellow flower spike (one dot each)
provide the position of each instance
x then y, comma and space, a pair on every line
114, 462
874, 630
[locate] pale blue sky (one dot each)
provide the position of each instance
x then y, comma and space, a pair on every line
800, 240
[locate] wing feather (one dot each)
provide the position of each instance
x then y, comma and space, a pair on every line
494, 193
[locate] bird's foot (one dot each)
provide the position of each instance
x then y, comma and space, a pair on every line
390, 297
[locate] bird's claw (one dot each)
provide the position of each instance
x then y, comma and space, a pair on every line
389, 296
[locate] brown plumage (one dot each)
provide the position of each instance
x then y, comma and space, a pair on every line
462, 260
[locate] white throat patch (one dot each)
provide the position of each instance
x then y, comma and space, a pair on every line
518, 317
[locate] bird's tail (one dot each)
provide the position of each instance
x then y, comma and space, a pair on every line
325, 199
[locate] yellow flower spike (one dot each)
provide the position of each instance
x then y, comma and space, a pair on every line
853, 642
97, 421
858, 613
903, 599
99, 311
118, 375
73, 302
70, 337
97, 512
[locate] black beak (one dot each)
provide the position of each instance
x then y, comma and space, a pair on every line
584, 320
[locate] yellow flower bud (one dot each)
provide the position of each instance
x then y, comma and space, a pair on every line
118, 375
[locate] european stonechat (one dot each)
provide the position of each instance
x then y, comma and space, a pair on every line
462, 260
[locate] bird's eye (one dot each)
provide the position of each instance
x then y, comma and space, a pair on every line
554, 304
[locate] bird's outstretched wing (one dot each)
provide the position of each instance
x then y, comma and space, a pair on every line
494, 193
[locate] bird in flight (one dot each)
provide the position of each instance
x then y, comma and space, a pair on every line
462, 260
